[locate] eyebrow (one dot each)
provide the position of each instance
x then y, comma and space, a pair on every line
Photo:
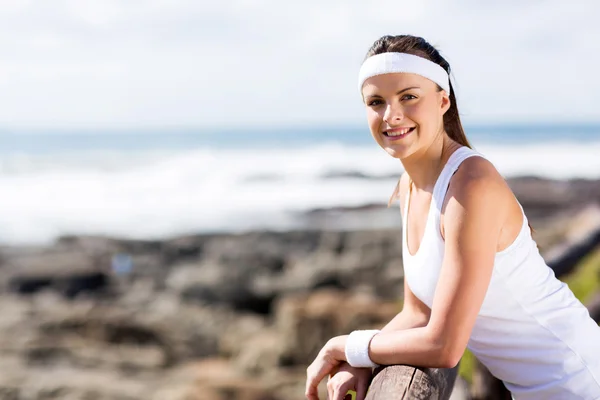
403, 90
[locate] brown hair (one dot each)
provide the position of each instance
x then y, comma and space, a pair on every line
420, 47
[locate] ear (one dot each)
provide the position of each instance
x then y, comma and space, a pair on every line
445, 101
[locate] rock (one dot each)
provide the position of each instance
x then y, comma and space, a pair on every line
233, 338
61, 383
147, 257
209, 283
543, 198
216, 316
183, 249
306, 322
255, 251
68, 272
261, 353
214, 379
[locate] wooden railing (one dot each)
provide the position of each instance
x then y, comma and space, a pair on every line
396, 382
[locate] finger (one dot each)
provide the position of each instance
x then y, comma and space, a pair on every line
361, 390
316, 373
321, 373
312, 393
339, 393
330, 389
334, 371
312, 396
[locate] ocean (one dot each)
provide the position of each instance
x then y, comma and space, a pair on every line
157, 184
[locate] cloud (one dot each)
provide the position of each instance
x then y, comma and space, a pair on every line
160, 63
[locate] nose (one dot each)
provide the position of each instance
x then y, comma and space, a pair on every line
392, 113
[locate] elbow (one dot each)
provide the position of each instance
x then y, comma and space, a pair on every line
448, 352
449, 359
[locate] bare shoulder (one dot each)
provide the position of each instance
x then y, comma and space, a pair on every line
477, 174
477, 187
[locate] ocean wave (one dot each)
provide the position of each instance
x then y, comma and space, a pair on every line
150, 194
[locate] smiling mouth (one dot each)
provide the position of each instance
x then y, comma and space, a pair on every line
397, 134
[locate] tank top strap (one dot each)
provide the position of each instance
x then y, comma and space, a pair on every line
441, 186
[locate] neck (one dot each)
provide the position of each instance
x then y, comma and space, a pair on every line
425, 166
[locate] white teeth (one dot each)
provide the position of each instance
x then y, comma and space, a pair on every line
399, 133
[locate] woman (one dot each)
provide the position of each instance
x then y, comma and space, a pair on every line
473, 274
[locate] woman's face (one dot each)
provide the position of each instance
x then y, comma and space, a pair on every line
405, 112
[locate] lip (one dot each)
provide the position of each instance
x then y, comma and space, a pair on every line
394, 138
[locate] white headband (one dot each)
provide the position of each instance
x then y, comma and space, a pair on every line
387, 63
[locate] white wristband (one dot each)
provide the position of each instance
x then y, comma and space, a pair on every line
357, 349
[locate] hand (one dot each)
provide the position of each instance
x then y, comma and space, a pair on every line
324, 364
347, 378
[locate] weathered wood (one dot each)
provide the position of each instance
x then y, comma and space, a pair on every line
396, 382
564, 260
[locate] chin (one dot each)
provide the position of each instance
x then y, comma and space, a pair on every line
396, 152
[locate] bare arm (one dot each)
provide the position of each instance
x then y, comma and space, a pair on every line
414, 314
474, 216
478, 205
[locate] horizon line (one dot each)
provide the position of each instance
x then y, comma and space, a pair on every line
266, 128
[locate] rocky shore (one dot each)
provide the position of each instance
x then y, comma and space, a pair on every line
222, 316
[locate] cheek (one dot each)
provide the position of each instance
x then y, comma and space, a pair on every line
416, 112
374, 119
423, 111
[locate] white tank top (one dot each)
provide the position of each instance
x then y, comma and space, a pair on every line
531, 331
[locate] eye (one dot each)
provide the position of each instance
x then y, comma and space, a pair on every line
374, 102
408, 97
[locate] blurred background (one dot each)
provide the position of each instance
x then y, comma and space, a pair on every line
192, 203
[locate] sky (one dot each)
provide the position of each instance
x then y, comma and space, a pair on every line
107, 64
